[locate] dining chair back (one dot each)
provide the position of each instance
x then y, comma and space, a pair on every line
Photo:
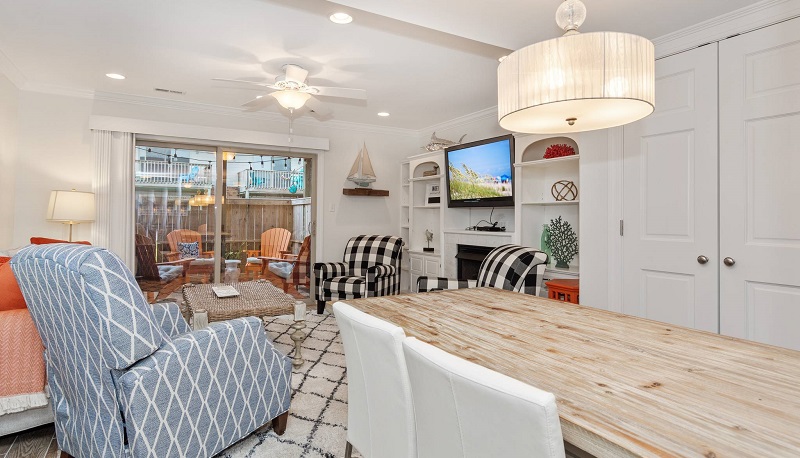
380, 417
464, 410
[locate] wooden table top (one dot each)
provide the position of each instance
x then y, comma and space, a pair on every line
625, 386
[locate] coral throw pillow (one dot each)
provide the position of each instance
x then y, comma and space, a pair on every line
10, 294
45, 241
4, 259
188, 250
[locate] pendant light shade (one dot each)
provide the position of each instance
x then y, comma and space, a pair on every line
577, 82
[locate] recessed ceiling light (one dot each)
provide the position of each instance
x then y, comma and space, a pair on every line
502, 58
383, 114
259, 96
341, 18
115, 76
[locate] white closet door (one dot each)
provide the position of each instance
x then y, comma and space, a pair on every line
760, 185
670, 197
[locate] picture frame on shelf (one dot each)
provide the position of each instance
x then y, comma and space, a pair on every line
433, 194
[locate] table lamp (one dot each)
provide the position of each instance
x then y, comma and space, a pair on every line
71, 207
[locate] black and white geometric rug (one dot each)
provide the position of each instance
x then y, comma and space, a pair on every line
317, 424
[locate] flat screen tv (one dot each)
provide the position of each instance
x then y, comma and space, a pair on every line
481, 173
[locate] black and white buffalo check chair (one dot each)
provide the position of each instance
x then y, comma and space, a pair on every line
371, 268
509, 267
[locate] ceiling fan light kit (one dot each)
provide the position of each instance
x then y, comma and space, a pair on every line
291, 99
577, 82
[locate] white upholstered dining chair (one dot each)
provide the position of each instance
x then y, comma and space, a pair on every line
465, 410
380, 417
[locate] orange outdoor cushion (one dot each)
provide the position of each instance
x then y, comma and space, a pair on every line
10, 294
45, 241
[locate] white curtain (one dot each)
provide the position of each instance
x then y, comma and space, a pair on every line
113, 186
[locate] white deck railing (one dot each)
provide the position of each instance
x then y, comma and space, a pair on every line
271, 180
163, 173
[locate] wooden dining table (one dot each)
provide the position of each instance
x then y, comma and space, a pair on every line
625, 386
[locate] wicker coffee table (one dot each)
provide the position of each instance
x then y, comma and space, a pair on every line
256, 298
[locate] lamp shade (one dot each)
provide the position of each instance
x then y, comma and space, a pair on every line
575, 83
71, 206
291, 99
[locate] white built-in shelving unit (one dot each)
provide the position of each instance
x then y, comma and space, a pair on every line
534, 202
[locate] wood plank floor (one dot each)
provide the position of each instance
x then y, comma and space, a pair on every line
35, 443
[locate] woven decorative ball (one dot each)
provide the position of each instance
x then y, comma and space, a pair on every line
564, 190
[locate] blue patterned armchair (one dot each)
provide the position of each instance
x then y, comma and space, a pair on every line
371, 268
128, 379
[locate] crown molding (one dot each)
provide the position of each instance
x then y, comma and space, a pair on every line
743, 20
11, 71
486, 113
197, 107
55, 89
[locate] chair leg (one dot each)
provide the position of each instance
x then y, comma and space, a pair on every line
279, 423
348, 450
320, 307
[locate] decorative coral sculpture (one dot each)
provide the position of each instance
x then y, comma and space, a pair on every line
563, 242
558, 150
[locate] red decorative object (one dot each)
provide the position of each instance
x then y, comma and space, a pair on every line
558, 150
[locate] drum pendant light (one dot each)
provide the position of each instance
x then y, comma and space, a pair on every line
577, 82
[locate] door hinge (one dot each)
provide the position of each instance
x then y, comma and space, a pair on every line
621, 228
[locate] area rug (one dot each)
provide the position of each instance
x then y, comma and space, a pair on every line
317, 424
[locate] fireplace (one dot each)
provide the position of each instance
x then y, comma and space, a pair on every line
469, 259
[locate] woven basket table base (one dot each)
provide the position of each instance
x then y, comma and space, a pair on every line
256, 298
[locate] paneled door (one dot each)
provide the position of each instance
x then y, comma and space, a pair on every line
670, 260
760, 185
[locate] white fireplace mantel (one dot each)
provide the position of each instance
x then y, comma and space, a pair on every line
453, 238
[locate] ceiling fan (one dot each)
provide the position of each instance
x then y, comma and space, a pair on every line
292, 92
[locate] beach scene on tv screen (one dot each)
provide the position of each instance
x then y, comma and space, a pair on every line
480, 172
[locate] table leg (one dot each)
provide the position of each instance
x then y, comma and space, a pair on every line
199, 320
298, 336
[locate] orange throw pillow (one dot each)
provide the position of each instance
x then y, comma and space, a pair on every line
10, 294
4, 259
45, 241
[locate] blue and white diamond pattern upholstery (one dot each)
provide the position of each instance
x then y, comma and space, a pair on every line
509, 267
371, 268
130, 380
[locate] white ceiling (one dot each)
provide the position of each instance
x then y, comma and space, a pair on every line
424, 61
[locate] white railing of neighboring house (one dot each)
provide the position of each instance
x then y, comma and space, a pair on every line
177, 173
271, 180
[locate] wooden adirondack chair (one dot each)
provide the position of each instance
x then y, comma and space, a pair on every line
293, 271
204, 264
157, 280
274, 244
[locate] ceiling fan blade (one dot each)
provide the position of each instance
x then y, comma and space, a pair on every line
258, 103
343, 92
296, 74
317, 111
242, 81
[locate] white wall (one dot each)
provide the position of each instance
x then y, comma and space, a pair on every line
8, 146
55, 152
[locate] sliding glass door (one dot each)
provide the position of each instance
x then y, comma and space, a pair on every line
232, 211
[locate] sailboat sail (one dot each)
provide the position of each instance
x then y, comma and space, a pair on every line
362, 172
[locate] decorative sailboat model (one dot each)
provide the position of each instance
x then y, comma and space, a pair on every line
363, 175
